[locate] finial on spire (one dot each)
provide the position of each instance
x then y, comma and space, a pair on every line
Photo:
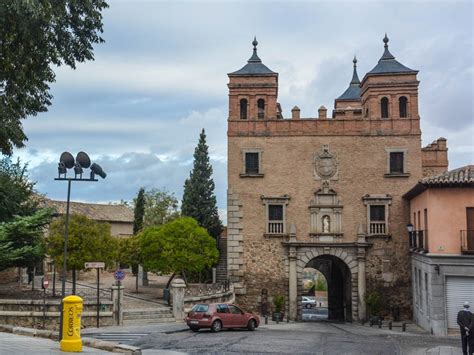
385, 40
386, 53
254, 58
255, 43
355, 78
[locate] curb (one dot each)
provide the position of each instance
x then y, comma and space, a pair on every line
89, 342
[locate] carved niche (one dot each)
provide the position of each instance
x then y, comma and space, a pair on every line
326, 215
325, 165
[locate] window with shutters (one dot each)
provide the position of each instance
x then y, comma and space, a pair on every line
252, 163
378, 208
396, 162
275, 214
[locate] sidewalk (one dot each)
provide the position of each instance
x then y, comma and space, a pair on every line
19, 344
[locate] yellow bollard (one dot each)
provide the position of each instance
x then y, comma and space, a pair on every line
72, 311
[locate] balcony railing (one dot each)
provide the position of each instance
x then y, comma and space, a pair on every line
419, 241
276, 228
377, 228
467, 241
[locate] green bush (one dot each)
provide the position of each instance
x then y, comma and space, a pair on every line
278, 302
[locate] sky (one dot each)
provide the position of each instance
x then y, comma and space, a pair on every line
161, 77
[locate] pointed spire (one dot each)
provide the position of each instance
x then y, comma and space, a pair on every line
386, 54
254, 58
355, 78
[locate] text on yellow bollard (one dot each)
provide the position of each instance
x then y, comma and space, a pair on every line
72, 312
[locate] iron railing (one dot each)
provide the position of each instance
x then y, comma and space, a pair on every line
467, 241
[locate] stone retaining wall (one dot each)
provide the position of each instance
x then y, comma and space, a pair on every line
29, 313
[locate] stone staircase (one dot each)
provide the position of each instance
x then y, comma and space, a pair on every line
221, 269
151, 315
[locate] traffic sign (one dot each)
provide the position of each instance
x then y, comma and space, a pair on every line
119, 275
94, 265
45, 283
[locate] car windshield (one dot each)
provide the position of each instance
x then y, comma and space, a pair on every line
200, 308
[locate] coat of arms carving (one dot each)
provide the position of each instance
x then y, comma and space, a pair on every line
325, 165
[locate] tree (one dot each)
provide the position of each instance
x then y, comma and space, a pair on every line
34, 37
178, 246
129, 253
139, 211
21, 240
88, 241
199, 201
16, 190
161, 207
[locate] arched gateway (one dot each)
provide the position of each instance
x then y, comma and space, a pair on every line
343, 265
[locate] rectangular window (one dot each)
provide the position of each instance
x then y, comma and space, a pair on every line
275, 224
252, 163
396, 163
377, 220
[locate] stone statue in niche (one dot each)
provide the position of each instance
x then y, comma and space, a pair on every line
326, 224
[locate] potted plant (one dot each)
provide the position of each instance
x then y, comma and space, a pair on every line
373, 301
278, 302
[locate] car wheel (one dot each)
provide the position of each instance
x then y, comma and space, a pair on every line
194, 329
251, 325
216, 326
308, 305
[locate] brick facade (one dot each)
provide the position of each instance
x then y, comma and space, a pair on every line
359, 143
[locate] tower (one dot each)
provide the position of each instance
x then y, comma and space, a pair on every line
253, 91
390, 89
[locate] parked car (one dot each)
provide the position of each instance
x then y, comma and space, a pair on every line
216, 316
309, 302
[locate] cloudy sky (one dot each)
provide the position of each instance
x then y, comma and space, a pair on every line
160, 77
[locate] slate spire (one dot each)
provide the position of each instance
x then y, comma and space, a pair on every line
254, 65
355, 78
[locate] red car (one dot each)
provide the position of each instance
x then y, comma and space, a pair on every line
220, 315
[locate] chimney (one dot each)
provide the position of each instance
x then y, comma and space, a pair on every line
295, 113
323, 112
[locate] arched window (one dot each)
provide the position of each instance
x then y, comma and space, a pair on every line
261, 108
243, 109
402, 106
384, 107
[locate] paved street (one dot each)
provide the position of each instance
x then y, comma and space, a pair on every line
293, 338
316, 313
19, 344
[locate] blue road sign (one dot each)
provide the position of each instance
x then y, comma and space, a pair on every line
119, 275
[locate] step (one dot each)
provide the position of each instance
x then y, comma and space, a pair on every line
148, 321
147, 311
147, 316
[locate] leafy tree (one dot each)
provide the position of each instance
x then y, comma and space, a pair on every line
88, 241
178, 246
161, 207
139, 211
34, 37
321, 284
129, 253
16, 190
21, 240
199, 201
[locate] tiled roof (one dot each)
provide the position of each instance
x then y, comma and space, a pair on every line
388, 65
254, 65
95, 211
460, 176
352, 93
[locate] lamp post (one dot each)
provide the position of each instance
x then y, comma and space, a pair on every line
66, 161
410, 234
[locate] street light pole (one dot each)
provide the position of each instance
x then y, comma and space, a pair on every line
67, 161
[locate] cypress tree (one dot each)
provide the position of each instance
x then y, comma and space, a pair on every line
199, 201
139, 211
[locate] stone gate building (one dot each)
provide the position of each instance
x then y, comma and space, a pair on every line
324, 192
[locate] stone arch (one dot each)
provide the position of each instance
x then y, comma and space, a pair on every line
347, 257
